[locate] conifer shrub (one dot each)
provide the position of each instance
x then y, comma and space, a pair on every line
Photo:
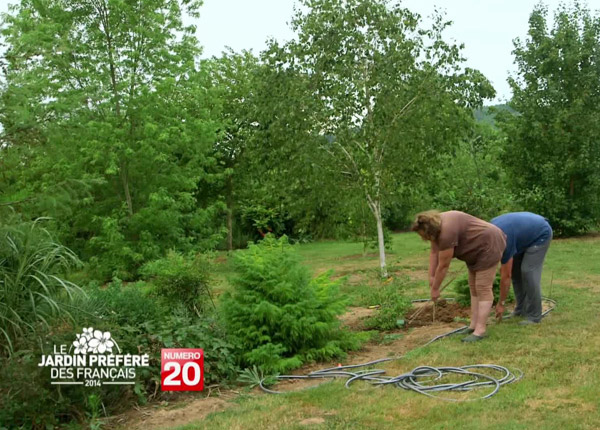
279, 316
461, 287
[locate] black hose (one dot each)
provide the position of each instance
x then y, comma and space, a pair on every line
419, 379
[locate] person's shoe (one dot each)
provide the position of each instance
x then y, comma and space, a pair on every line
472, 338
528, 322
466, 330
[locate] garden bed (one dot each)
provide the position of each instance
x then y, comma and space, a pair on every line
445, 311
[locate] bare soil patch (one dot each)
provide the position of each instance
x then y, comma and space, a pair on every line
182, 411
186, 410
355, 316
312, 421
357, 256
406, 341
445, 312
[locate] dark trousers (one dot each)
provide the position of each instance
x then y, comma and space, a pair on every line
527, 280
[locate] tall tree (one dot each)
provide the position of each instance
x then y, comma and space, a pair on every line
234, 77
384, 96
110, 93
552, 149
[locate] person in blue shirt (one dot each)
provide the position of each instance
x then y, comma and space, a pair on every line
528, 238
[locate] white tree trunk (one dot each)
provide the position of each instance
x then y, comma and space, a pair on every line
375, 206
381, 241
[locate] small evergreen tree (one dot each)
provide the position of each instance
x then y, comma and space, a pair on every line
279, 317
461, 287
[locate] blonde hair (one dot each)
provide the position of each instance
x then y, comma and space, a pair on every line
428, 224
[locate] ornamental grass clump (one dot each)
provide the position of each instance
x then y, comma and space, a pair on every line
33, 288
279, 316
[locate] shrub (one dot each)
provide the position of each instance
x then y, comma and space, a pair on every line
278, 316
131, 304
27, 398
181, 279
140, 322
143, 321
461, 287
32, 284
392, 306
208, 333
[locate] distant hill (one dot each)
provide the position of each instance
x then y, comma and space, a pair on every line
487, 114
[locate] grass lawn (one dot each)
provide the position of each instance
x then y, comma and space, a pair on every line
560, 357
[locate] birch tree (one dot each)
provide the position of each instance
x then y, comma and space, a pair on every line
386, 96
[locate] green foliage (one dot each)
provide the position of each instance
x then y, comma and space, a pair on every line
278, 316
28, 400
94, 412
372, 241
33, 287
389, 103
461, 287
181, 279
392, 305
552, 152
263, 219
252, 377
138, 319
473, 178
182, 331
116, 108
130, 304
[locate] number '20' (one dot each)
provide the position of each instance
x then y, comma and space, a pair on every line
171, 379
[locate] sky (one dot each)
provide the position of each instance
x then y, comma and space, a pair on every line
486, 27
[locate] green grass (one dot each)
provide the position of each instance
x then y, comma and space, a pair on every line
559, 357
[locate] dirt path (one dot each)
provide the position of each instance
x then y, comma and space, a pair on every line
192, 407
181, 412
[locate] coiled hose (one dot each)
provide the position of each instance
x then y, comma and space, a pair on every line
422, 379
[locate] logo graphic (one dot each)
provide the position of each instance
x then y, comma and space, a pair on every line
90, 360
182, 369
94, 341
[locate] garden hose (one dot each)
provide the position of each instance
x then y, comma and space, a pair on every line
422, 379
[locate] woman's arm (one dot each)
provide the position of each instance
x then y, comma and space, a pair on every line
505, 278
444, 259
433, 262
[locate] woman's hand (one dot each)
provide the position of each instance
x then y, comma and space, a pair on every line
499, 311
435, 294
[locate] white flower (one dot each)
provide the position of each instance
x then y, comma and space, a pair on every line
101, 342
88, 333
80, 345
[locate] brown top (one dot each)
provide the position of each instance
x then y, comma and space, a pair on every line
476, 242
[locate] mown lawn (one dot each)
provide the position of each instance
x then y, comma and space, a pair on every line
560, 357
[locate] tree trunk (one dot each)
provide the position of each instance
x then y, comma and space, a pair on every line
572, 187
125, 182
375, 206
229, 230
229, 199
380, 240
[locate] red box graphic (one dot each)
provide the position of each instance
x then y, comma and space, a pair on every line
182, 369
